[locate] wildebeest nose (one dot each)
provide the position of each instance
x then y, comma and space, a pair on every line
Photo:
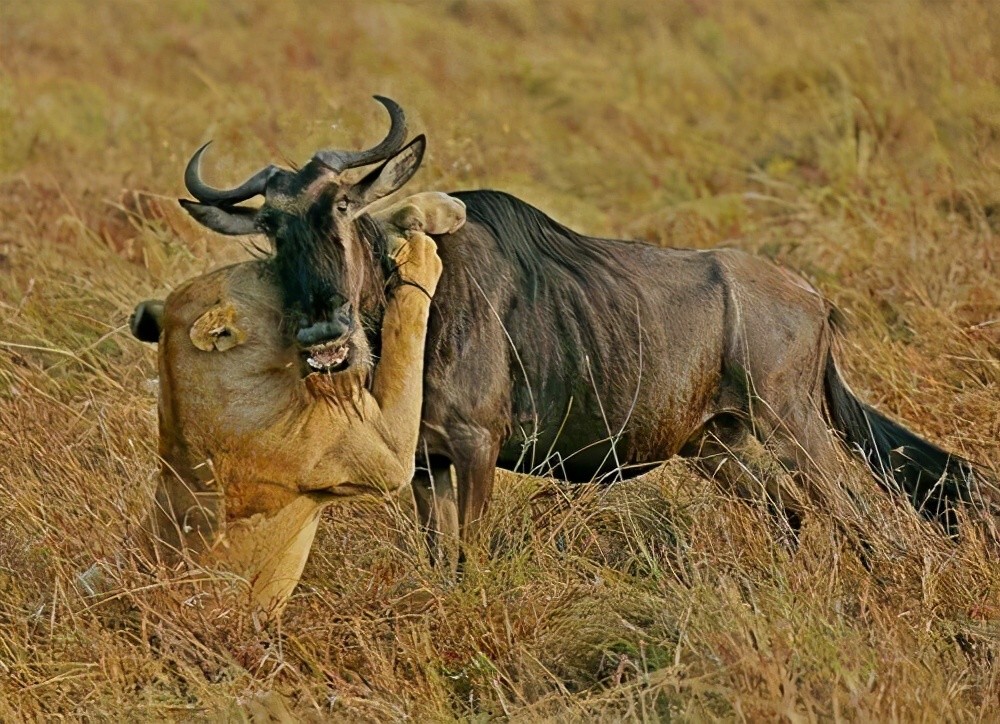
336, 328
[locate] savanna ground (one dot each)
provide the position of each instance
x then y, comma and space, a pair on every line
855, 142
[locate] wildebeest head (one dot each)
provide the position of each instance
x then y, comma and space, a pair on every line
327, 249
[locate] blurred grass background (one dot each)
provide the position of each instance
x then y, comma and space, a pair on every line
857, 143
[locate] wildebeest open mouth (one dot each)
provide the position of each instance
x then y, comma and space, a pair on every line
329, 356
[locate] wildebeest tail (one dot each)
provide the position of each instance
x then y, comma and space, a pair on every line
934, 480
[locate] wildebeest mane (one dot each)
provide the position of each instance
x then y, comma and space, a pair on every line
373, 236
540, 245
377, 276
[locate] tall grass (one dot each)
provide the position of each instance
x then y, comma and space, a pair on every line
856, 142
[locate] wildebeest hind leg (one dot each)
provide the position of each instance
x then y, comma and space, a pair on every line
805, 447
726, 451
437, 507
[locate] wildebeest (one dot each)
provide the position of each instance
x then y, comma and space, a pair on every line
597, 357
252, 446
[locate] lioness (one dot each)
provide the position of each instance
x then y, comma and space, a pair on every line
252, 446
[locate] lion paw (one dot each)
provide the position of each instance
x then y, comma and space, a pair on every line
418, 262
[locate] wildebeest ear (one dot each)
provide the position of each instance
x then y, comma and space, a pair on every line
392, 174
232, 221
145, 321
216, 329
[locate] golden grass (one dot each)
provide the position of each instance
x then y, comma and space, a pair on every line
856, 142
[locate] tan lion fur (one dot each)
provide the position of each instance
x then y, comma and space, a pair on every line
251, 450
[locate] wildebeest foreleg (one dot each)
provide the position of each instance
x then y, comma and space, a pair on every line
437, 506
475, 459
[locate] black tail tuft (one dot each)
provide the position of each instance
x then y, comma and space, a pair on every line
934, 480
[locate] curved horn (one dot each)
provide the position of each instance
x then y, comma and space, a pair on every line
206, 194
343, 160
229, 220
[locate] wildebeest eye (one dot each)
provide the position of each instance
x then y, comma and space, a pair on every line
342, 205
265, 225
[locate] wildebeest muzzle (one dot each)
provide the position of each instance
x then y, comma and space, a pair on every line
326, 343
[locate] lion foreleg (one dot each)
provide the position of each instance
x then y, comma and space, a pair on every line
377, 450
431, 212
397, 385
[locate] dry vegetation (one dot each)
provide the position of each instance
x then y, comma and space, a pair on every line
856, 142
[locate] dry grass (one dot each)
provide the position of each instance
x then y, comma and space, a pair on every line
856, 142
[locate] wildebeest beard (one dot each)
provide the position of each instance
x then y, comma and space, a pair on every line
318, 273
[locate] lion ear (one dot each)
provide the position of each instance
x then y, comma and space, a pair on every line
147, 321
216, 329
